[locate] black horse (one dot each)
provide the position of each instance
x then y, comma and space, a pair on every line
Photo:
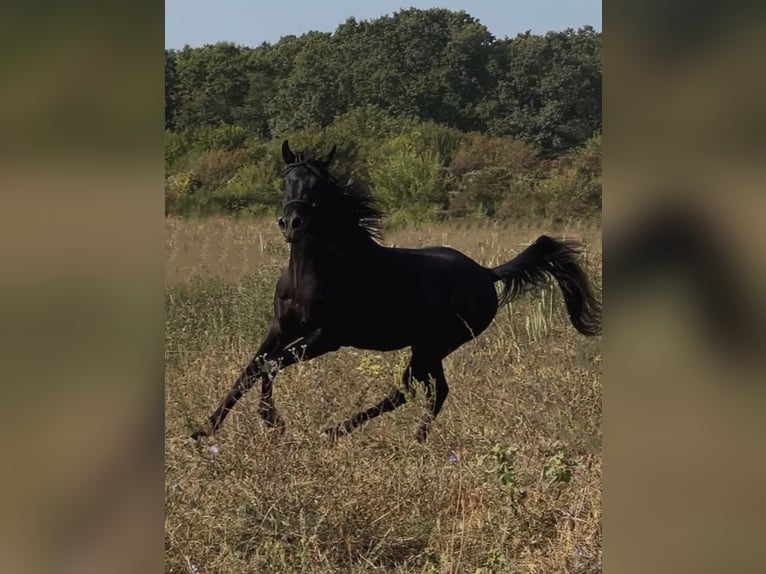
343, 288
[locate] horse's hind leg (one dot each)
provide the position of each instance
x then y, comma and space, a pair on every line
436, 391
394, 399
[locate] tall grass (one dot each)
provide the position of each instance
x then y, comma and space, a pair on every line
509, 480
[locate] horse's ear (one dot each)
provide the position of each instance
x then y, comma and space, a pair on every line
287, 153
328, 159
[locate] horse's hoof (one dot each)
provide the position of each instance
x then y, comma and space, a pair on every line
202, 432
276, 424
332, 434
272, 419
279, 429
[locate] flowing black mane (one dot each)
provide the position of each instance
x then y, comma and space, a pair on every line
354, 210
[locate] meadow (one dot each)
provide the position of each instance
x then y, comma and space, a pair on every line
508, 481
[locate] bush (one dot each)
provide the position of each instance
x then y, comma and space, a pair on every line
254, 189
410, 179
490, 172
522, 200
216, 166
479, 192
366, 125
573, 191
178, 188
223, 137
176, 147
443, 140
205, 150
418, 171
479, 151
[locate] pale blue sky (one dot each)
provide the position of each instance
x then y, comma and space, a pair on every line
199, 22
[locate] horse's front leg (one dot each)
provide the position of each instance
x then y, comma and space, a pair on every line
267, 362
257, 368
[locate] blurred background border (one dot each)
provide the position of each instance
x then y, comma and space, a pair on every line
81, 173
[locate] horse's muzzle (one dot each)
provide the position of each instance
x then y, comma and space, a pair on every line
291, 226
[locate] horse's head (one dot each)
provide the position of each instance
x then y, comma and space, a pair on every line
306, 188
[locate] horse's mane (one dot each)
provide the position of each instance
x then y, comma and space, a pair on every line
354, 209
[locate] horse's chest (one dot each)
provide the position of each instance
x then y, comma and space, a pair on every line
303, 307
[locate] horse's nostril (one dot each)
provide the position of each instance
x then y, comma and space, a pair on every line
297, 222
281, 223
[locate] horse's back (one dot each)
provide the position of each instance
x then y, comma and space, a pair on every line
441, 268
430, 296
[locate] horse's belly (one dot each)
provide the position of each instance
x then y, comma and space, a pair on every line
375, 336
392, 331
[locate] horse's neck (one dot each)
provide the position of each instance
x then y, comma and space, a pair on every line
308, 259
322, 259
300, 258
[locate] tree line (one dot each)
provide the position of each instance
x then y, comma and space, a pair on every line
425, 87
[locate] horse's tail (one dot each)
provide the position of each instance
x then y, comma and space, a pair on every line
549, 257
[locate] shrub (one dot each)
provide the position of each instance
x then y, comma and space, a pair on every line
445, 141
573, 190
479, 192
224, 137
176, 146
419, 171
410, 179
178, 188
479, 151
216, 166
253, 189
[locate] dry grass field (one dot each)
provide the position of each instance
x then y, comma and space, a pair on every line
508, 481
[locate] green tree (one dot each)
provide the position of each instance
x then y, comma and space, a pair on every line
308, 95
436, 64
170, 89
549, 92
427, 64
212, 84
